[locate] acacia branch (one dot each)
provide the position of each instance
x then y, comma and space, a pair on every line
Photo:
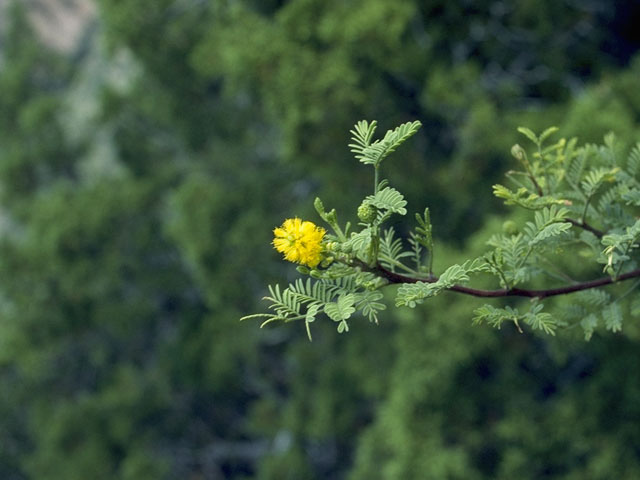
585, 226
393, 277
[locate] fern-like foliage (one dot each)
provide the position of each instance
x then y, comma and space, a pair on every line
336, 296
359, 242
592, 308
581, 204
313, 292
631, 196
391, 250
596, 178
575, 169
388, 200
508, 259
340, 311
373, 153
633, 161
368, 302
535, 318
612, 316
620, 249
548, 222
422, 238
412, 294
361, 136
525, 198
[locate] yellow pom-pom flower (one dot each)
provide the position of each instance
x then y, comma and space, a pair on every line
300, 242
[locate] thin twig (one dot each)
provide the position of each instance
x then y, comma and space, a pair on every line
585, 226
393, 277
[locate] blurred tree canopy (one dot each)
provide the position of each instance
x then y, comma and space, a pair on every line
141, 178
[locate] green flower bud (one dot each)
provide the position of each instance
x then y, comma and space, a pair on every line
315, 273
517, 151
510, 227
319, 206
332, 247
367, 212
327, 261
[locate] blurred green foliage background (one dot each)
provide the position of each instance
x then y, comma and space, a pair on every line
141, 173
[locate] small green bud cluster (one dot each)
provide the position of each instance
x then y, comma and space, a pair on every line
312, 272
518, 152
336, 248
510, 227
367, 213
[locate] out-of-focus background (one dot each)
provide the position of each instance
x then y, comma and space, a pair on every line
148, 148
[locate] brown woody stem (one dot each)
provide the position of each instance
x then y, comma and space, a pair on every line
585, 226
393, 277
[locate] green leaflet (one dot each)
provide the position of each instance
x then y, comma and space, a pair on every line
315, 292
594, 298
494, 317
548, 222
412, 294
633, 161
340, 311
524, 198
589, 324
310, 317
535, 317
529, 134
359, 242
548, 231
388, 199
391, 250
632, 197
549, 131
538, 140
590, 308
612, 316
619, 248
373, 153
368, 303
596, 178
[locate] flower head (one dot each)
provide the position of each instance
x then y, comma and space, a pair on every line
300, 242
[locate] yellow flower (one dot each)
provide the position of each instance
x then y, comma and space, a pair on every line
301, 242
